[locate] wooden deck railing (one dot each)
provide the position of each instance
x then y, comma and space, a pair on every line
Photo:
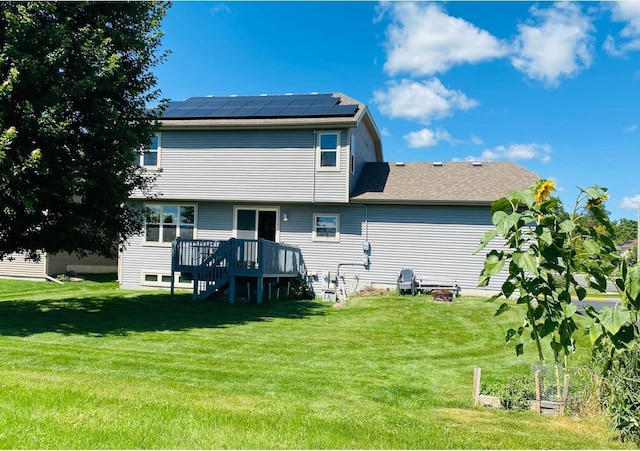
216, 262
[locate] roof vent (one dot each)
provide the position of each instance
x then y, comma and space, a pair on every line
399, 164
477, 164
437, 164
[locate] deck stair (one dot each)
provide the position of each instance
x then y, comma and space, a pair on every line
215, 264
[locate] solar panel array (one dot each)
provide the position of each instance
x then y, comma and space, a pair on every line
276, 106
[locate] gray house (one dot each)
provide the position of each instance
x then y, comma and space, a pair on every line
50, 265
308, 171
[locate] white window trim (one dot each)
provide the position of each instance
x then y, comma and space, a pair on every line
159, 283
258, 209
315, 237
159, 158
319, 151
168, 244
352, 155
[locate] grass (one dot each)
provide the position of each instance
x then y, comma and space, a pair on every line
87, 365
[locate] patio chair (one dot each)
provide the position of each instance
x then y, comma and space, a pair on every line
407, 281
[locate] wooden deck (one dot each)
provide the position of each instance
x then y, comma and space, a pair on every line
215, 264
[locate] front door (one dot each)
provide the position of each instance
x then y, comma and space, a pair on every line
255, 223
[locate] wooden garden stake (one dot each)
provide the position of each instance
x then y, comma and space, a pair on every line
536, 378
477, 372
565, 394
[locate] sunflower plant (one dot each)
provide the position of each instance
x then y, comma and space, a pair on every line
544, 247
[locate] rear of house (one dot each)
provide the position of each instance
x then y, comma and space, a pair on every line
308, 171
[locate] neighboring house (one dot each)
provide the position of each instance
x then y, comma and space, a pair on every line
15, 265
308, 170
626, 247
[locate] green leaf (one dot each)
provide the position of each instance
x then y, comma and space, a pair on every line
519, 349
614, 318
526, 261
581, 292
509, 335
501, 204
546, 237
569, 310
591, 246
567, 226
503, 308
595, 332
493, 264
486, 238
633, 282
508, 288
505, 222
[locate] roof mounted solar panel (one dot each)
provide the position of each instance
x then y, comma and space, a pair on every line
279, 101
343, 110
221, 112
293, 111
269, 111
247, 111
294, 105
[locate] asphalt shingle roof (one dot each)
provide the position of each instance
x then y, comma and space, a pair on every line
441, 183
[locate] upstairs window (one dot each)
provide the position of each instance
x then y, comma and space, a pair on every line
151, 157
165, 222
328, 151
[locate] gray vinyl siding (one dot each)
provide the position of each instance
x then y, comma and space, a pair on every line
19, 267
57, 263
214, 221
250, 166
436, 241
364, 152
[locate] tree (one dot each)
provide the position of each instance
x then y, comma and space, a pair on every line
625, 229
75, 83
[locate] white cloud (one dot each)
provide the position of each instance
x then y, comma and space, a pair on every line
218, 8
385, 132
476, 140
423, 40
556, 43
428, 138
531, 151
420, 101
630, 203
631, 128
628, 12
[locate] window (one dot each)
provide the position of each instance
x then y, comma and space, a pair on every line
165, 222
328, 155
154, 279
352, 154
151, 157
326, 227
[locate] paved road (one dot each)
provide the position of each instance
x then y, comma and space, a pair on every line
597, 304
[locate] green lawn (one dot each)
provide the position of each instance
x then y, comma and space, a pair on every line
86, 365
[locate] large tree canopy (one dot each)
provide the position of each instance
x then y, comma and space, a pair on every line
75, 83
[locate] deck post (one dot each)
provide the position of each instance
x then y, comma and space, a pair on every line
174, 257
260, 290
232, 289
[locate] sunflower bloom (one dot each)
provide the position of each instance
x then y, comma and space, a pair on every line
543, 192
597, 201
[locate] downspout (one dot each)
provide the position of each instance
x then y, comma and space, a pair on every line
315, 159
366, 223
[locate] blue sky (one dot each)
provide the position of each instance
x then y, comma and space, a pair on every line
554, 87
